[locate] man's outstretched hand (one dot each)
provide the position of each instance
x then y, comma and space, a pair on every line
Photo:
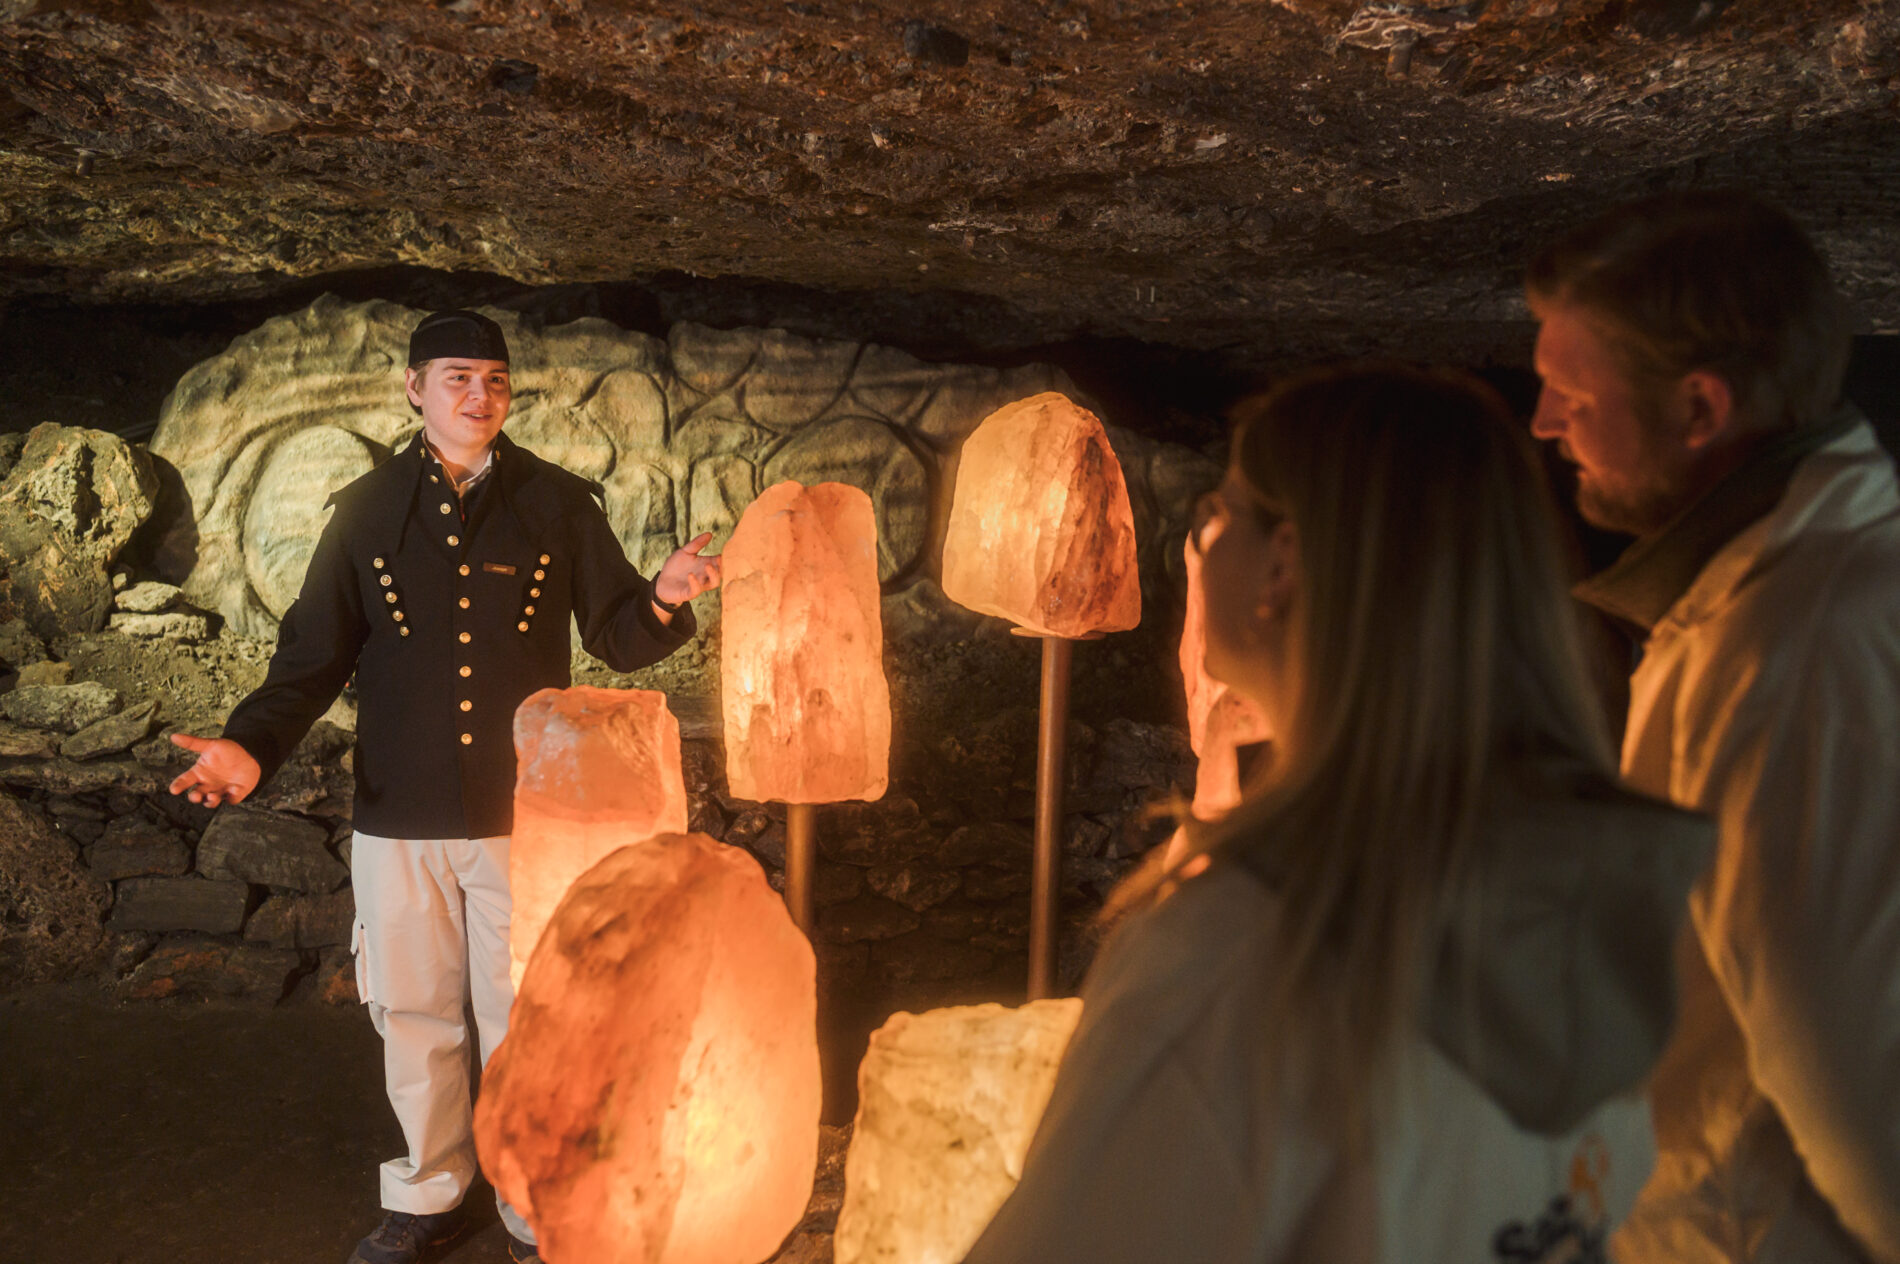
686, 574
224, 773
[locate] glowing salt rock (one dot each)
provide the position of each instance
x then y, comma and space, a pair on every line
948, 1101
807, 708
1220, 721
596, 769
1041, 532
656, 1100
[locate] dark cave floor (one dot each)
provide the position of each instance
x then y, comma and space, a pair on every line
213, 1133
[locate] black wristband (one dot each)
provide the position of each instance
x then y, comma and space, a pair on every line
671, 607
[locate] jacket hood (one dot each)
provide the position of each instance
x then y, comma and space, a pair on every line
1554, 987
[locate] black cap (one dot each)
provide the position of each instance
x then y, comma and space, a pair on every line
459, 334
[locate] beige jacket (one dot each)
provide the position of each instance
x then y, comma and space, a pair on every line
1769, 695
1511, 1131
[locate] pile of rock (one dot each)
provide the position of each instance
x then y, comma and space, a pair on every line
155, 609
103, 872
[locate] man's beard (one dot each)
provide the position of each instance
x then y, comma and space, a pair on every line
1630, 510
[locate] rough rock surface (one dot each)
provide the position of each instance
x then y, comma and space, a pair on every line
216, 908
1205, 173
672, 1008
111, 735
682, 435
65, 708
67, 506
133, 847
178, 625
947, 1103
197, 966
150, 597
304, 921
51, 909
269, 848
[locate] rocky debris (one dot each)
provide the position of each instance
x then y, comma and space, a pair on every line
19, 647
198, 966
987, 842
200, 904
916, 886
317, 779
66, 776
304, 921
150, 597
38, 675
866, 917
133, 847
65, 708
835, 884
67, 506
176, 625
336, 977
51, 909
111, 735
935, 45
19, 742
270, 849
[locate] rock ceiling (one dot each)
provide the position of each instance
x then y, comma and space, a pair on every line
1208, 174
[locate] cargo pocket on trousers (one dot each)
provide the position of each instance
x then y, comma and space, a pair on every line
359, 949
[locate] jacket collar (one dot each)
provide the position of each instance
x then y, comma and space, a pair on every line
1658, 569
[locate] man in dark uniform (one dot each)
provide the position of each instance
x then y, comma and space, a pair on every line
445, 582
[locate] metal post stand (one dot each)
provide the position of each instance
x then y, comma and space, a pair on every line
1052, 751
801, 850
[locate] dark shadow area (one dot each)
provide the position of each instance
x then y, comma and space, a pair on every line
217, 1132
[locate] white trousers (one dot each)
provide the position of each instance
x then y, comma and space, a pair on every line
431, 942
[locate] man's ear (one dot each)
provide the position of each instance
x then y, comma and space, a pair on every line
412, 386
1707, 404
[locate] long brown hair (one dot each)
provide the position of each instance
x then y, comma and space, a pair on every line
1433, 638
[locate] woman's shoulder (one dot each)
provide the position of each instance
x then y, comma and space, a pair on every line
1204, 943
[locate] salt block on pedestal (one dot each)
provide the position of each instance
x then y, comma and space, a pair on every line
807, 708
948, 1101
656, 1099
1219, 720
1041, 532
596, 769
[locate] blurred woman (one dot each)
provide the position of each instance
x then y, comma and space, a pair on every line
1404, 1007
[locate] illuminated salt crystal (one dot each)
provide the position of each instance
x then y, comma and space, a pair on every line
596, 769
948, 1101
1041, 532
1219, 720
807, 708
656, 1099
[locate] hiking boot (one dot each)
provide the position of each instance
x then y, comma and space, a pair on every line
403, 1236
520, 1252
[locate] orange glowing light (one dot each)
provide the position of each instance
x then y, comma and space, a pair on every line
656, 1100
596, 769
1220, 721
807, 707
1041, 532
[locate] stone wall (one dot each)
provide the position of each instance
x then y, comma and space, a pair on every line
105, 875
681, 434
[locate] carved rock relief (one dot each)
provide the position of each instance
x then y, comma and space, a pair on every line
681, 434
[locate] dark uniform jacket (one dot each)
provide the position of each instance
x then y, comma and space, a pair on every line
448, 624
